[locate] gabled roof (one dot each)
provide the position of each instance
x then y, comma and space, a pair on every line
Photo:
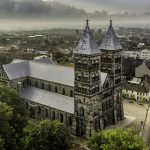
47, 98
17, 70
43, 71
17, 61
147, 63
143, 88
47, 72
110, 41
46, 60
87, 44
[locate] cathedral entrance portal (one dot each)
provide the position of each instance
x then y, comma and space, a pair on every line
81, 128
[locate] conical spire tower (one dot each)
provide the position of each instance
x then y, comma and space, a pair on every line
87, 44
110, 41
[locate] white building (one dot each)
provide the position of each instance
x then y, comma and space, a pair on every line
145, 54
136, 90
133, 54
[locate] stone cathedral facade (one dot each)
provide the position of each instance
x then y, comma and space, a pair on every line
85, 98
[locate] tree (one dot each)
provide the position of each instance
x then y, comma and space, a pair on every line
18, 119
58, 55
49, 135
116, 139
11, 97
6, 130
1, 143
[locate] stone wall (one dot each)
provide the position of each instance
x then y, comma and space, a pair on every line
39, 111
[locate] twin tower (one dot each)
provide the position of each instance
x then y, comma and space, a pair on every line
98, 81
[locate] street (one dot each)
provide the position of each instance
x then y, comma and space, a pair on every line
138, 112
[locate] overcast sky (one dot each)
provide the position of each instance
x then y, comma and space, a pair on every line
73, 12
110, 5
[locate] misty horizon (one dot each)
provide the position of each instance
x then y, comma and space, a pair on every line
39, 14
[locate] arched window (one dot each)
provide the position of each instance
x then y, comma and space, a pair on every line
71, 93
55, 89
53, 115
103, 106
109, 102
24, 84
46, 113
81, 111
27, 106
49, 87
70, 121
107, 85
29, 81
107, 106
63, 92
117, 99
42, 85
39, 108
36, 84
61, 118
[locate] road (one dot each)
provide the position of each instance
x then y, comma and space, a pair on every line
139, 112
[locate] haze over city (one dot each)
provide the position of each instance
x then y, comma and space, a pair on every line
40, 14
74, 74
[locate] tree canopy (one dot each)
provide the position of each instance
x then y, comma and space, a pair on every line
1, 143
117, 139
11, 97
7, 132
16, 117
50, 135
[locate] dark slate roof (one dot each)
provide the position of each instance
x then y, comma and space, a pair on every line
87, 44
48, 72
144, 87
110, 41
47, 98
147, 63
46, 60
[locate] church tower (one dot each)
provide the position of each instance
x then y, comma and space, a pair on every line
111, 63
87, 84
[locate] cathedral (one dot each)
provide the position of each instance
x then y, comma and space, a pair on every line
86, 98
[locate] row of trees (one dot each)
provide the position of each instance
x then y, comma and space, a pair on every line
52, 135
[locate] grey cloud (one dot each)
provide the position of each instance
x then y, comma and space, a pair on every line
57, 11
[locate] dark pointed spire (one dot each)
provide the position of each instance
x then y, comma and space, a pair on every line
87, 44
110, 22
87, 22
110, 42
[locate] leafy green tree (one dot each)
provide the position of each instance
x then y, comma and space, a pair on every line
11, 97
1, 143
116, 139
6, 130
18, 120
49, 135
58, 55
5, 58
